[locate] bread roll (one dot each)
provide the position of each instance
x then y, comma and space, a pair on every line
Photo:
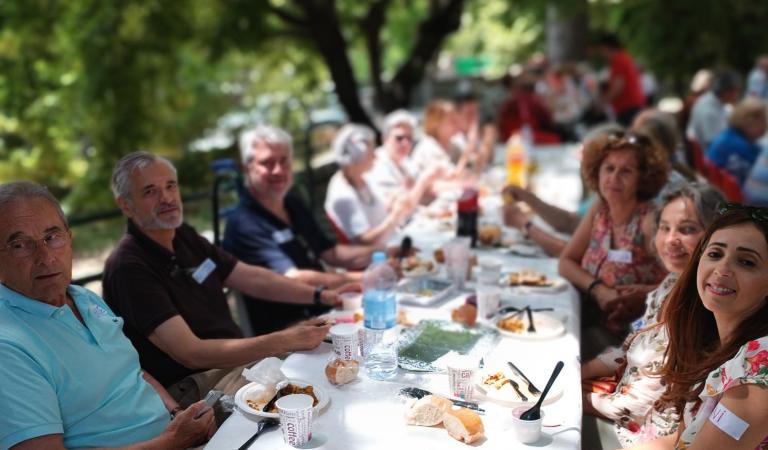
427, 411
466, 314
340, 371
464, 425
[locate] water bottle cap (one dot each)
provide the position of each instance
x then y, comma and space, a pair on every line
378, 257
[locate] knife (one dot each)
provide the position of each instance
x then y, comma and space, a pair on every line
415, 392
533, 389
512, 309
263, 425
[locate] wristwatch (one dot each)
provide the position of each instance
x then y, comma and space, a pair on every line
317, 298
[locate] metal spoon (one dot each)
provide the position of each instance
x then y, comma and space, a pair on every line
535, 412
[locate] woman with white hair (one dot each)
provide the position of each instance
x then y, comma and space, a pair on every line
354, 208
391, 174
736, 149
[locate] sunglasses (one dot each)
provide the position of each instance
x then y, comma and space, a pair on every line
757, 214
622, 139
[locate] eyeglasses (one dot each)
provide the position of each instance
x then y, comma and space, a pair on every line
622, 139
403, 137
26, 246
757, 214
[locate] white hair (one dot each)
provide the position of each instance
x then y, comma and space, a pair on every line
268, 134
398, 118
121, 175
17, 191
351, 143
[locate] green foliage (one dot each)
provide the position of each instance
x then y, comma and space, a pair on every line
677, 38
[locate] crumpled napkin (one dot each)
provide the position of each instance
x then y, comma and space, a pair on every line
270, 379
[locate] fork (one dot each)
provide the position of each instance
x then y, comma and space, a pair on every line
263, 425
516, 387
531, 326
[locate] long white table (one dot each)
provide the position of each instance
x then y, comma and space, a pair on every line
368, 414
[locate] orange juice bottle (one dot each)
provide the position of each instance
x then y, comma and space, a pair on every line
517, 161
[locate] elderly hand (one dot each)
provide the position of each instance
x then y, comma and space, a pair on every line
185, 431
514, 216
519, 194
305, 335
331, 297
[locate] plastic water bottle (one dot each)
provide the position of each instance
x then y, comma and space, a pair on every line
380, 309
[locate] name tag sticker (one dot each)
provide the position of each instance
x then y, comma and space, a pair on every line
205, 269
282, 236
98, 311
620, 256
728, 422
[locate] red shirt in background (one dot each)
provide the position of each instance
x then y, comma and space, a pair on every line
527, 108
631, 95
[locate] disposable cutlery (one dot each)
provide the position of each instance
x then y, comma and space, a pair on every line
263, 425
535, 412
533, 389
414, 392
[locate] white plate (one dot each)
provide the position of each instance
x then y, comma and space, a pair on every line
558, 285
421, 270
243, 394
507, 396
548, 326
526, 250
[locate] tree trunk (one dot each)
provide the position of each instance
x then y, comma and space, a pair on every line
444, 18
567, 31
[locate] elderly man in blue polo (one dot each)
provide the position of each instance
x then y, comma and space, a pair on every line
70, 378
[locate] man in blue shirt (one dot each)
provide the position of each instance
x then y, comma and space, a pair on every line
70, 378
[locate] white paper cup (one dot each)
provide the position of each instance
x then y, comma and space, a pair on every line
490, 270
488, 301
461, 375
344, 339
526, 431
351, 301
295, 413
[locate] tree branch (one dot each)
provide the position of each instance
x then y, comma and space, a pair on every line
371, 26
287, 17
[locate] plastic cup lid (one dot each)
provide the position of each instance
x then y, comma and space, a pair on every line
343, 329
294, 402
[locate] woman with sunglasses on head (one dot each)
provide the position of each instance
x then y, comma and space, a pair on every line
609, 256
353, 207
716, 368
618, 385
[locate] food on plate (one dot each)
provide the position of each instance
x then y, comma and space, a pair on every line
340, 371
414, 265
528, 278
466, 314
495, 380
464, 425
489, 234
439, 255
513, 324
287, 390
427, 411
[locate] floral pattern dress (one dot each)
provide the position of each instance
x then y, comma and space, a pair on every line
749, 366
644, 267
630, 405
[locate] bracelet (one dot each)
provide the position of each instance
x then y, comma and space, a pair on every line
317, 297
593, 285
175, 411
527, 229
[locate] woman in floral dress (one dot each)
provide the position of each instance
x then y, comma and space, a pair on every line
621, 384
716, 368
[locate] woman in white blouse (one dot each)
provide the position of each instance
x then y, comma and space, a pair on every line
355, 209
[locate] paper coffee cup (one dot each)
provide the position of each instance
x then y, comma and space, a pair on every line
461, 375
526, 431
344, 339
351, 301
295, 413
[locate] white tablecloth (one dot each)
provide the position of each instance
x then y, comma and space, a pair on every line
368, 414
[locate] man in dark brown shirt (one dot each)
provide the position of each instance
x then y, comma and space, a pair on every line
166, 281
